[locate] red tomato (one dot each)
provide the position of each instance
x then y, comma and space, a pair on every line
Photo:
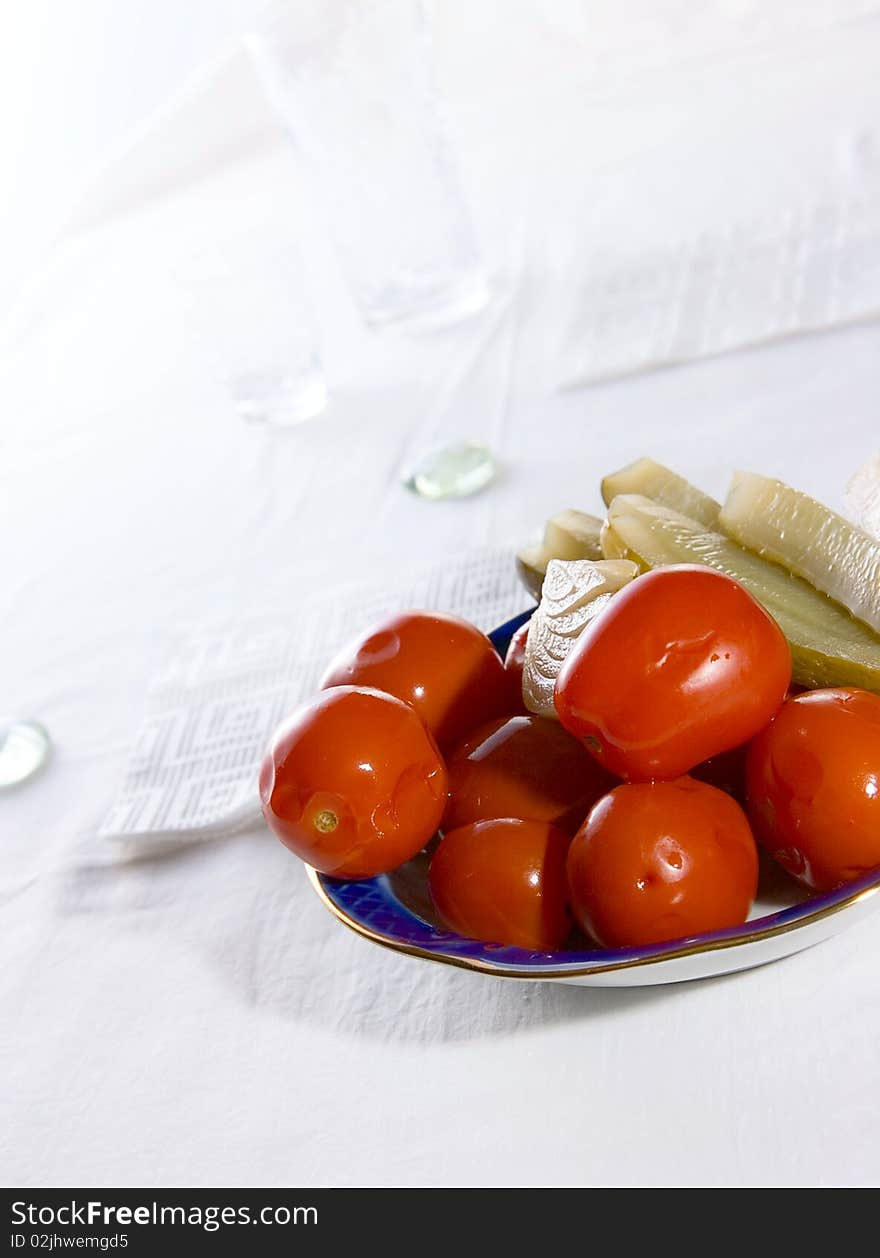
526, 767
353, 783
813, 786
513, 666
447, 670
661, 860
503, 881
681, 665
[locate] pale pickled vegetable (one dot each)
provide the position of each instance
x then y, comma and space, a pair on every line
574, 593
829, 647
808, 539
658, 483
573, 535
531, 565
569, 535
612, 546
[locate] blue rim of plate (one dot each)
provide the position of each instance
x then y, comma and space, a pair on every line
372, 909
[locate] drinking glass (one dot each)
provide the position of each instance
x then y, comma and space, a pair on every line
353, 82
277, 374
257, 321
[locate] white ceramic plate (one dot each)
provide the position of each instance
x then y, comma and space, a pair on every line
394, 911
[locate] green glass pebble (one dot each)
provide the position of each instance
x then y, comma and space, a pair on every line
455, 471
24, 749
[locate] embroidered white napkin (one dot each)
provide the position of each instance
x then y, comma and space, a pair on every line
804, 269
214, 705
749, 212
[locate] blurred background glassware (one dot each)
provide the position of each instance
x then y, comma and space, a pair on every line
353, 82
258, 324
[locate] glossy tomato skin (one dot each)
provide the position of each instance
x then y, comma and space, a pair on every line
682, 665
514, 662
813, 786
526, 767
445, 668
656, 861
353, 783
503, 881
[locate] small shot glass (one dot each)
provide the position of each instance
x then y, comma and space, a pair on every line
258, 326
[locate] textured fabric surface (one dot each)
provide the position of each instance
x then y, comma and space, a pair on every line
198, 1018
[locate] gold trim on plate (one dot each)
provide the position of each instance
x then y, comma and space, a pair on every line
486, 967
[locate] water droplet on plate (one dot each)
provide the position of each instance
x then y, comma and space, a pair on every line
454, 471
24, 749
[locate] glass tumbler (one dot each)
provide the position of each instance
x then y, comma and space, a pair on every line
352, 81
253, 310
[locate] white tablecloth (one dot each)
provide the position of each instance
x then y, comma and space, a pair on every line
199, 1018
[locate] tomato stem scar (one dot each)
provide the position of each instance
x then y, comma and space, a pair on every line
326, 821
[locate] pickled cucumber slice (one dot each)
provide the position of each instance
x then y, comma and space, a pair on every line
531, 565
612, 546
569, 535
573, 535
658, 483
794, 530
829, 647
574, 594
